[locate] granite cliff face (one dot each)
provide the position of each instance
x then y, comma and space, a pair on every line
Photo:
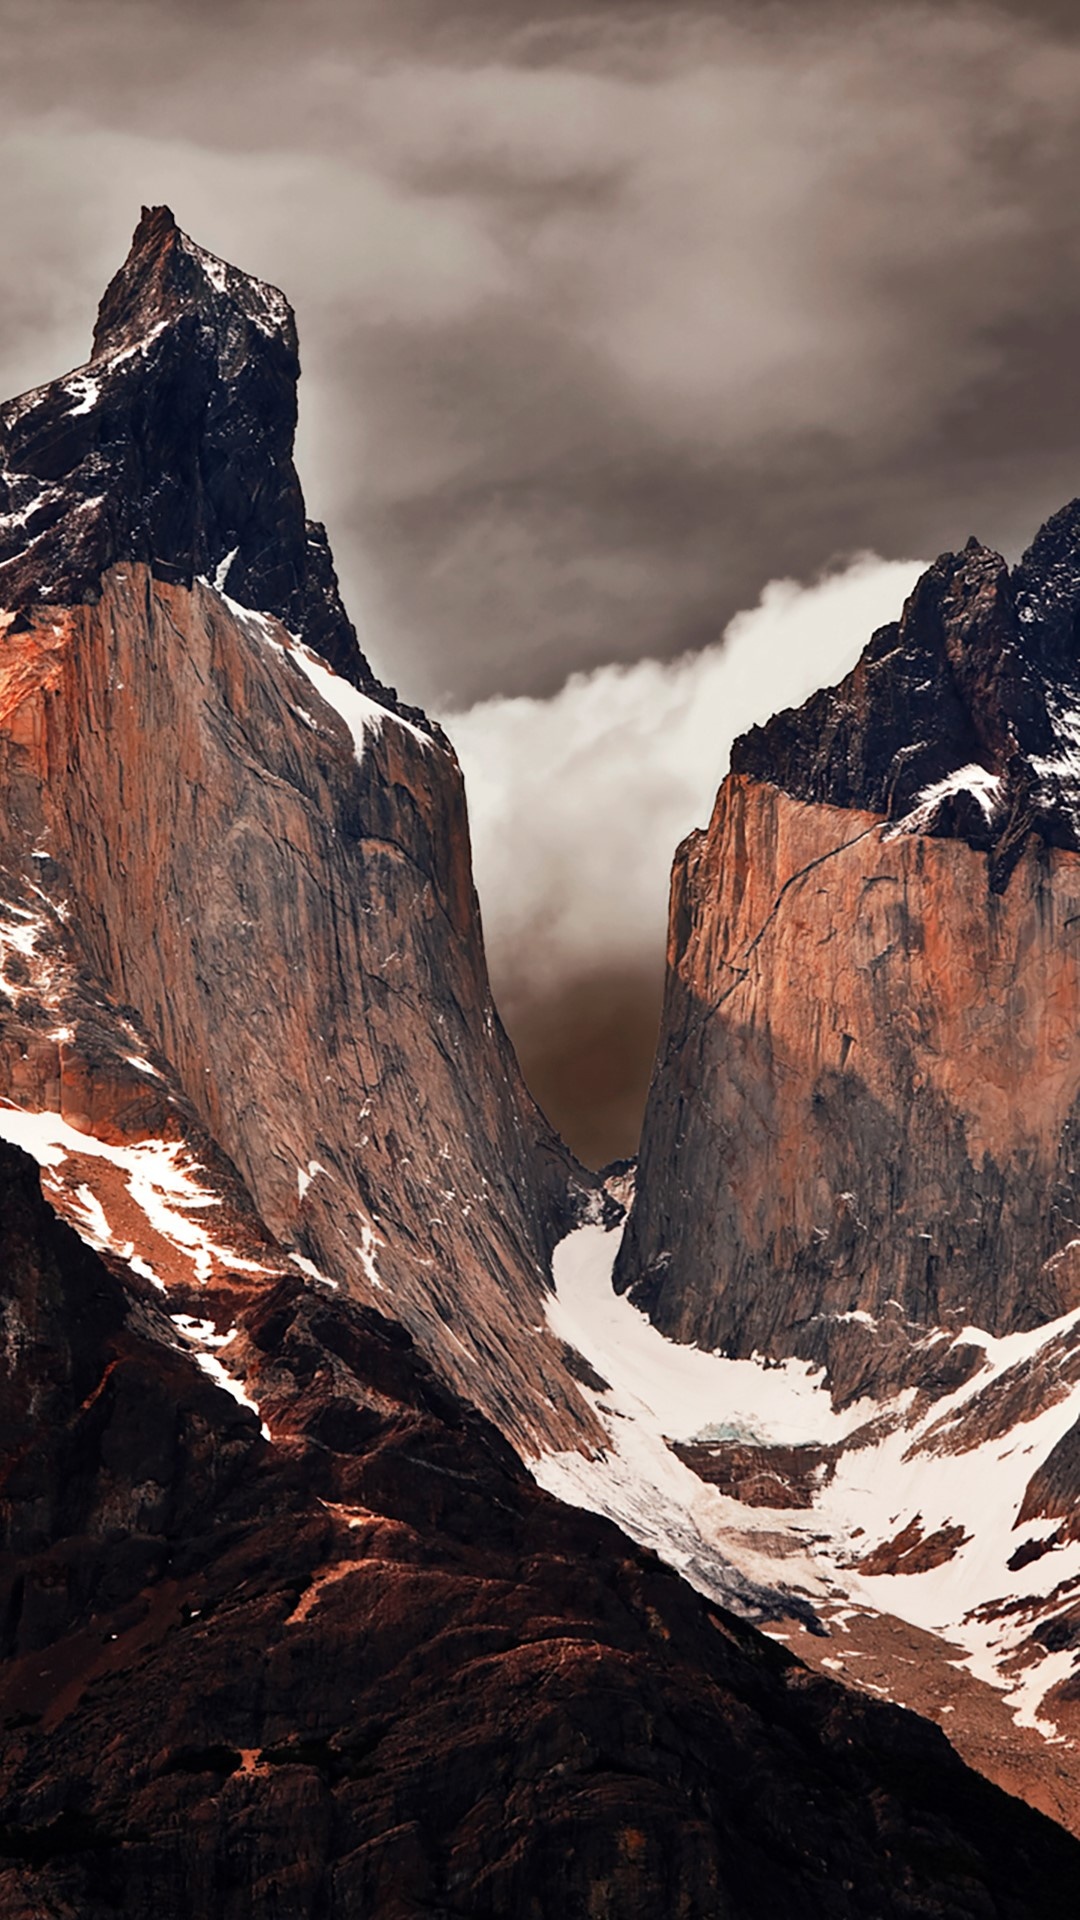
863, 1121
238, 911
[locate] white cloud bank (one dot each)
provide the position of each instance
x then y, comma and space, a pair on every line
578, 802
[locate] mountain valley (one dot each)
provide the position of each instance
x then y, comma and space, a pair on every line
319, 1343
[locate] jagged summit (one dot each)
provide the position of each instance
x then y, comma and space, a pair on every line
173, 445
166, 274
962, 719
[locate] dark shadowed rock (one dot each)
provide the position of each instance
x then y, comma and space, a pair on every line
173, 446
981, 673
368, 1669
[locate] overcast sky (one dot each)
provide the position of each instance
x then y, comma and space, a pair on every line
610, 314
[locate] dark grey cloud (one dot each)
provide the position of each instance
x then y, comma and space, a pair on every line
609, 313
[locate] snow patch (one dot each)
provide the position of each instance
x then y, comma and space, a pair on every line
158, 1179
221, 572
261, 303
212, 1365
308, 1266
369, 1240
984, 787
660, 1391
657, 1392
305, 1176
204, 1338
86, 390
362, 715
142, 1066
1061, 771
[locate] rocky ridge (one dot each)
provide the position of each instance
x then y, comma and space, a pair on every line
172, 446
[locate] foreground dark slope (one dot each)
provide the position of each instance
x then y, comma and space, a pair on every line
368, 1669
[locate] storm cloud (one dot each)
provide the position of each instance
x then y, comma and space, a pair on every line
610, 313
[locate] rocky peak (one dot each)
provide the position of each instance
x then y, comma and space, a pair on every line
173, 446
167, 275
962, 719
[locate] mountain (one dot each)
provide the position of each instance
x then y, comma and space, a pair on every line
873, 980
237, 912
287, 1626
860, 1158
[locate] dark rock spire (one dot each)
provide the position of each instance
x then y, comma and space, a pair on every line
963, 717
173, 446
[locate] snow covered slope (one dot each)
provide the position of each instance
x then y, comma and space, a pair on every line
919, 1507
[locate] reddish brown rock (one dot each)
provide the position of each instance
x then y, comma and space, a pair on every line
913, 1551
862, 1125
867, 1096
760, 1476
